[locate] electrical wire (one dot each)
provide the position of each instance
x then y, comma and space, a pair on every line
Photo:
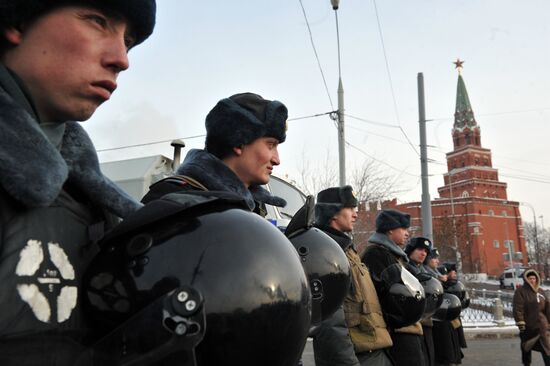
380, 161
390, 78
148, 143
316, 55
312, 116
369, 133
371, 122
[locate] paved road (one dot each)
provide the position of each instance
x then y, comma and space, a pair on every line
487, 352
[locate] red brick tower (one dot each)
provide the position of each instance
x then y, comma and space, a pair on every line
473, 213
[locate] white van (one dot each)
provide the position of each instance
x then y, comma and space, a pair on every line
512, 278
295, 199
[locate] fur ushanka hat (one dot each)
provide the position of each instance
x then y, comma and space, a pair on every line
391, 219
418, 242
243, 118
139, 13
330, 201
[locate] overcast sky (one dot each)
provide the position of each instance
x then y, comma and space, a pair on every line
202, 51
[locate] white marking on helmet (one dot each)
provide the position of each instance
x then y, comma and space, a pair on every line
66, 302
36, 300
30, 258
61, 261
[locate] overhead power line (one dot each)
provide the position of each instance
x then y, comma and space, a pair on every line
372, 122
381, 161
316, 55
369, 133
390, 79
149, 143
312, 116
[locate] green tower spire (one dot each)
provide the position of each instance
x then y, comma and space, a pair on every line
464, 116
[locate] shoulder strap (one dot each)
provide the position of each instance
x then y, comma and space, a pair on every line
186, 179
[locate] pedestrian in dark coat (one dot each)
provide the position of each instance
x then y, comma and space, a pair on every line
59, 62
531, 310
383, 250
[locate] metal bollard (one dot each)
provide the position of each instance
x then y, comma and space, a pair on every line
484, 291
498, 313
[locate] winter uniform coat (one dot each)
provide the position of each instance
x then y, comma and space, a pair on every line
427, 323
446, 338
54, 202
531, 309
380, 253
446, 343
332, 344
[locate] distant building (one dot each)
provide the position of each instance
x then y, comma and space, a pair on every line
473, 212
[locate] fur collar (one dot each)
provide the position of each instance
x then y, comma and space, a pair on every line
33, 171
383, 240
216, 176
338, 236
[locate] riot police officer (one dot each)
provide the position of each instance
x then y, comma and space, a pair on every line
418, 249
59, 61
212, 281
447, 342
385, 259
335, 214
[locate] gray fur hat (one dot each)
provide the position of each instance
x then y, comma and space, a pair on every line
139, 13
330, 201
243, 118
392, 219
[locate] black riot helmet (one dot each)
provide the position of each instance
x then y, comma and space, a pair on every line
200, 280
434, 295
324, 262
456, 288
403, 301
450, 308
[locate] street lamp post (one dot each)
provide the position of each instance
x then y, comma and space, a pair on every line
341, 131
537, 248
